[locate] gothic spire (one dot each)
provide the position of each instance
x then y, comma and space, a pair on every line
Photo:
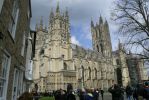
57, 8
100, 20
92, 23
41, 23
66, 13
119, 45
51, 13
106, 23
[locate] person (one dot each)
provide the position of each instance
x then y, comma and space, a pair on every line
95, 94
89, 95
57, 95
116, 92
138, 92
36, 95
26, 96
63, 94
71, 95
129, 92
146, 91
122, 92
101, 92
82, 94
135, 93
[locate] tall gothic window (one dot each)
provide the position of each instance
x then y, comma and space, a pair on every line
82, 73
95, 73
65, 66
75, 68
89, 72
117, 61
97, 48
101, 46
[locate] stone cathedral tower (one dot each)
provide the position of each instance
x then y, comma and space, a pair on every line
53, 60
101, 37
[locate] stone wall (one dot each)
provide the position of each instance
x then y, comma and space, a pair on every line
13, 46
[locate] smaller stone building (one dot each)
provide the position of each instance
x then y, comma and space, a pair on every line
129, 68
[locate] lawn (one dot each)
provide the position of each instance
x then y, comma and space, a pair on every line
46, 98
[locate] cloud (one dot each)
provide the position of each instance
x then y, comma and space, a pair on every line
75, 41
87, 33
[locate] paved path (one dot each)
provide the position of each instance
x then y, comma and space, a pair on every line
107, 96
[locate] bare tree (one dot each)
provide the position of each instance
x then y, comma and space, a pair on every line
132, 16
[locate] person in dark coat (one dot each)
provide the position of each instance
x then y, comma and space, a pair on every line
101, 92
71, 96
146, 91
96, 94
129, 92
82, 94
57, 95
63, 95
116, 92
89, 95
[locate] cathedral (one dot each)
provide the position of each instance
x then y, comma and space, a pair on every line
58, 62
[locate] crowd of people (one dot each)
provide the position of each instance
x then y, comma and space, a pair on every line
82, 94
139, 92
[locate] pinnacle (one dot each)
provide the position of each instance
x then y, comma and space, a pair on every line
100, 20
57, 8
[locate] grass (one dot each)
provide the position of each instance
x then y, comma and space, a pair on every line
47, 98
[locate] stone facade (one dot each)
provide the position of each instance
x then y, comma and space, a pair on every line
14, 28
136, 69
121, 68
58, 62
129, 68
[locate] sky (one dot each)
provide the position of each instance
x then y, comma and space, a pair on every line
81, 12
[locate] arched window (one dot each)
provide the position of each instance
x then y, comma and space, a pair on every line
117, 61
75, 68
97, 48
101, 46
65, 66
89, 69
82, 71
95, 73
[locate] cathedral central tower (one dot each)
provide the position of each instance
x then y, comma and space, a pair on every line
101, 41
59, 28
